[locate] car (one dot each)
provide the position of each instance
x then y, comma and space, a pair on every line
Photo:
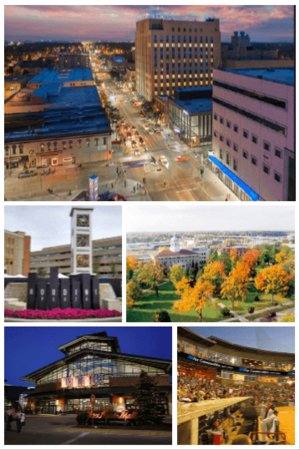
137, 152
163, 160
153, 161
181, 158
145, 149
27, 174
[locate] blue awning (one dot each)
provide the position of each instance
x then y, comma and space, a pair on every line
235, 179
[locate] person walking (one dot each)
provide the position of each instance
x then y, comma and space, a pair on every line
8, 418
270, 424
18, 419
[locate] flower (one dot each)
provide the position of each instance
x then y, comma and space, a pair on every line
61, 314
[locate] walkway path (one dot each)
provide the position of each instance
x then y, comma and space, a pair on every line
243, 318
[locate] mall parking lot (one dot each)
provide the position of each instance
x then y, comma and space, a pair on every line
62, 430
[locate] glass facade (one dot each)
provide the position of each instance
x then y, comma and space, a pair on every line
195, 129
92, 365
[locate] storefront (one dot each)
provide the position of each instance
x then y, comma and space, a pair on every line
14, 162
93, 364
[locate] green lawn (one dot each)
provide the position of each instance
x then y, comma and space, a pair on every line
264, 300
144, 311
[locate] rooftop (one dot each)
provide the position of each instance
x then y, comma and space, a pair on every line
55, 93
277, 75
195, 106
65, 75
166, 253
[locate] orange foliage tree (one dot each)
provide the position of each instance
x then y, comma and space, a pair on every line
235, 286
273, 279
280, 257
177, 273
214, 273
151, 273
234, 256
133, 293
131, 263
193, 297
252, 259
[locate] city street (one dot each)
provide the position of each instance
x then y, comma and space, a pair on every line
62, 430
181, 181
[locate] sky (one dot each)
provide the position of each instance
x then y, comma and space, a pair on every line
30, 348
177, 216
51, 225
263, 338
265, 23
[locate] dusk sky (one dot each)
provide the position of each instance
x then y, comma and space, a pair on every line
263, 23
276, 339
30, 348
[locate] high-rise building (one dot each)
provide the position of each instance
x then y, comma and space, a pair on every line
171, 54
73, 60
253, 132
16, 252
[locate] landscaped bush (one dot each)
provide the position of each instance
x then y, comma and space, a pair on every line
82, 418
226, 312
58, 313
251, 310
256, 299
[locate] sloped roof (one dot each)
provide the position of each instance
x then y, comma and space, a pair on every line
182, 252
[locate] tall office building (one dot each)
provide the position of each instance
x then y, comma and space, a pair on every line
73, 60
171, 54
253, 132
16, 252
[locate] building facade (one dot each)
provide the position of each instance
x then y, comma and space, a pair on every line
183, 257
73, 60
171, 54
107, 258
94, 364
253, 132
190, 114
16, 252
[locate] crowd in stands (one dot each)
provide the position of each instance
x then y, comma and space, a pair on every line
195, 389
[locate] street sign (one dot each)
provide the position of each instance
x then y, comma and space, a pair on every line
93, 399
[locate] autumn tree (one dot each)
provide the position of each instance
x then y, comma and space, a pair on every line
273, 279
193, 297
131, 263
234, 256
133, 293
287, 317
213, 257
214, 273
161, 249
252, 259
235, 286
151, 273
176, 274
225, 259
280, 257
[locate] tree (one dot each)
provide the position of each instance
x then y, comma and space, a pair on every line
133, 293
176, 274
236, 285
193, 297
280, 257
161, 249
214, 273
287, 317
131, 263
151, 273
42, 273
213, 257
148, 401
251, 258
225, 259
273, 279
234, 256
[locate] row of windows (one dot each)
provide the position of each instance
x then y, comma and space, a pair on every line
277, 176
107, 248
260, 97
99, 258
254, 139
48, 146
168, 92
249, 115
183, 39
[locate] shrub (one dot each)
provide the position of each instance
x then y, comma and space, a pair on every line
226, 312
58, 313
256, 299
82, 418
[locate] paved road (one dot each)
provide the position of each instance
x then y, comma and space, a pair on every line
43, 430
181, 181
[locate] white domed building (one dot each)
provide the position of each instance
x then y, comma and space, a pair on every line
182, 256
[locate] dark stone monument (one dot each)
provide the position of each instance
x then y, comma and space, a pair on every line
86, 290
65, 293
31, 290
95, 293
76, 294
42, 295
53, 288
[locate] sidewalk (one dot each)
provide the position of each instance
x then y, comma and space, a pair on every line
243, 318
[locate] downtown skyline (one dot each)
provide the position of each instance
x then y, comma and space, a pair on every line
264, 23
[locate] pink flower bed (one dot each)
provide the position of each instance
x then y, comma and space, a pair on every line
58, 313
